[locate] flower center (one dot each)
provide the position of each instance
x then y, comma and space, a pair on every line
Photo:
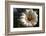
29, 18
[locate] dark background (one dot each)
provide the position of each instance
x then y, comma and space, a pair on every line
16, 15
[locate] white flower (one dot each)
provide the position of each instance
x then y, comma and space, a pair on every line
29, 18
